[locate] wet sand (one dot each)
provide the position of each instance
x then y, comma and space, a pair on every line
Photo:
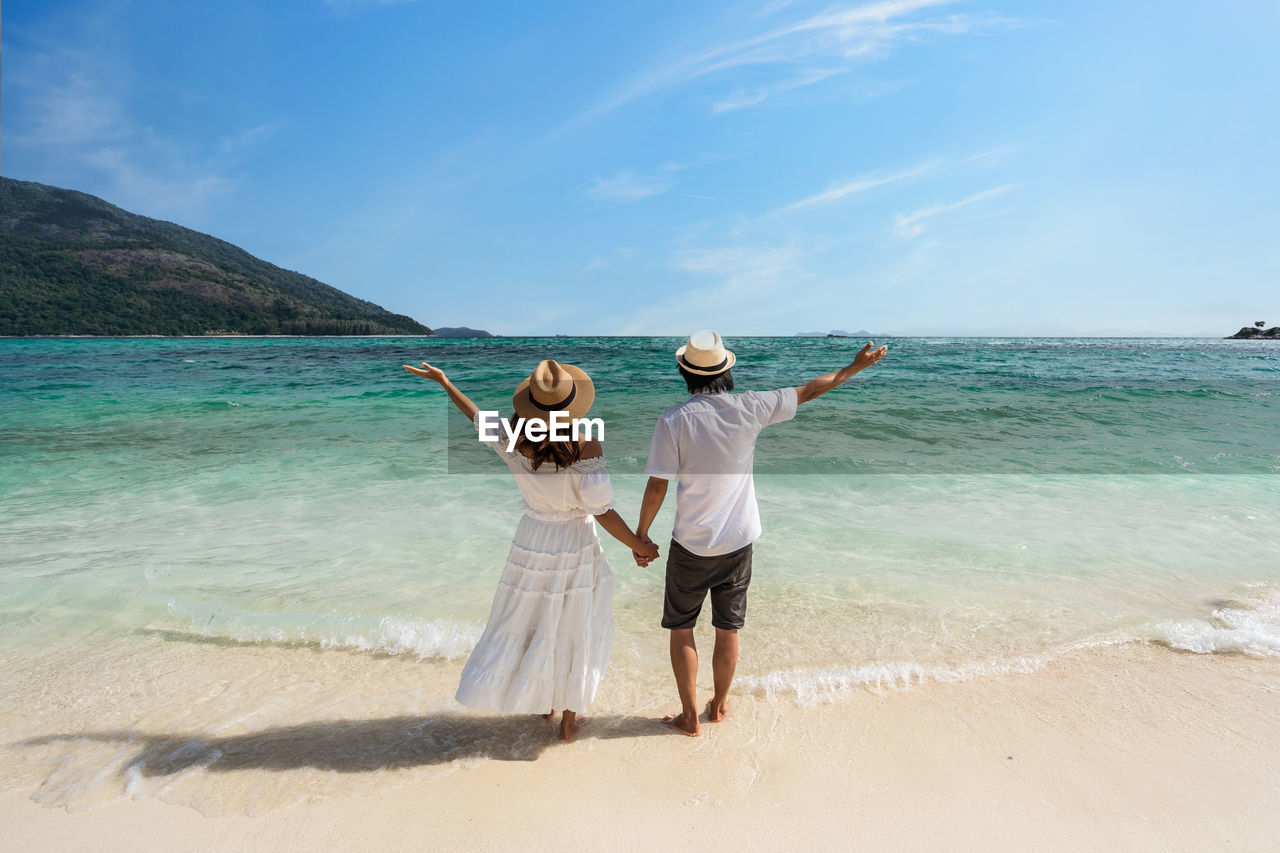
1131, 747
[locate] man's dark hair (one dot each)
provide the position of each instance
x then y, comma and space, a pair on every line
699, 384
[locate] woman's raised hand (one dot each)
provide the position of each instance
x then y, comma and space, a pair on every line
435, 374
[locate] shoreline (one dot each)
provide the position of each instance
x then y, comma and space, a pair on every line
1127, 747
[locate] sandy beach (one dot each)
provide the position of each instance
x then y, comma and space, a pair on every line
1132, 747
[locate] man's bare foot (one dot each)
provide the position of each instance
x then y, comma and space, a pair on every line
570, 724
717, 713
685, 724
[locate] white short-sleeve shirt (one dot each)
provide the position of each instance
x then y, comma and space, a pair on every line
708, 442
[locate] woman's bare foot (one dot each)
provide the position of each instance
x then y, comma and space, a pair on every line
717, 712
684, 723
550, 715
570, 724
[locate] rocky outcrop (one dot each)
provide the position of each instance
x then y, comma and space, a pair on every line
1250, 332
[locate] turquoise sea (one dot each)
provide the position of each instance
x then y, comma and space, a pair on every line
188, 524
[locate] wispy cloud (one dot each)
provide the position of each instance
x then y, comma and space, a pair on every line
727, 285
809, 49
748, 98
860, 184
77, 130
747, 268
70, 110
864, 91
993, 156
739, 99
772, 8
745, 261
912, 225
600, 262
249, 137
628, 185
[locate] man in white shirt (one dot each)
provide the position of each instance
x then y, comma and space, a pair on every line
708, 442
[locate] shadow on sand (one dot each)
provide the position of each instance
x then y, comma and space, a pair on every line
355, 746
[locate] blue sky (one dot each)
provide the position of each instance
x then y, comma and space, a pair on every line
766, 167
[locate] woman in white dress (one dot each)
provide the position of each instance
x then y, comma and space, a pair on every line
550, 630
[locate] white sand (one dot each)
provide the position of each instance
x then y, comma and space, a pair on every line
1132, 747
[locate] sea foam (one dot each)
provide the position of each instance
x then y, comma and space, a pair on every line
1250, 627
425, 638
816, 685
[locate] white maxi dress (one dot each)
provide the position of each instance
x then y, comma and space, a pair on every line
550, 630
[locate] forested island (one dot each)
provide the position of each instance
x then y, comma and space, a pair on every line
461, 332
1257, 330
835, 333
73, 264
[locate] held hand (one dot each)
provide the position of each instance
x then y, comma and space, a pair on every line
646, 553
867, 356
435, 374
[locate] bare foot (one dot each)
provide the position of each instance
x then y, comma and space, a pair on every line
717, 713
570, 724
685, 724
550, 715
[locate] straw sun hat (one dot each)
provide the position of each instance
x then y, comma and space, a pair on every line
705, 354
554, 387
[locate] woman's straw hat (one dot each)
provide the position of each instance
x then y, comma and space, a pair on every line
705, 354
554, 387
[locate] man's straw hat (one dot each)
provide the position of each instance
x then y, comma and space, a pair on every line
705, 354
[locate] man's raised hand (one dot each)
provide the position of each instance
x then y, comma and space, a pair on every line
867, 356
815, 388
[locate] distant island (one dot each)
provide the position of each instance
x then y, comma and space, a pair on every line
73, 264
835, 333
461, 332
1256, 331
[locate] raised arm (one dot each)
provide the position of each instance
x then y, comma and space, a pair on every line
815, 388
435, 374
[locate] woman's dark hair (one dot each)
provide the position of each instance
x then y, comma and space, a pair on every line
699, 384
561, 453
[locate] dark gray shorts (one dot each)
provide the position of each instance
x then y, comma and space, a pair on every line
690, 577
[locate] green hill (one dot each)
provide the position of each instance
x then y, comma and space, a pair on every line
72, 264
